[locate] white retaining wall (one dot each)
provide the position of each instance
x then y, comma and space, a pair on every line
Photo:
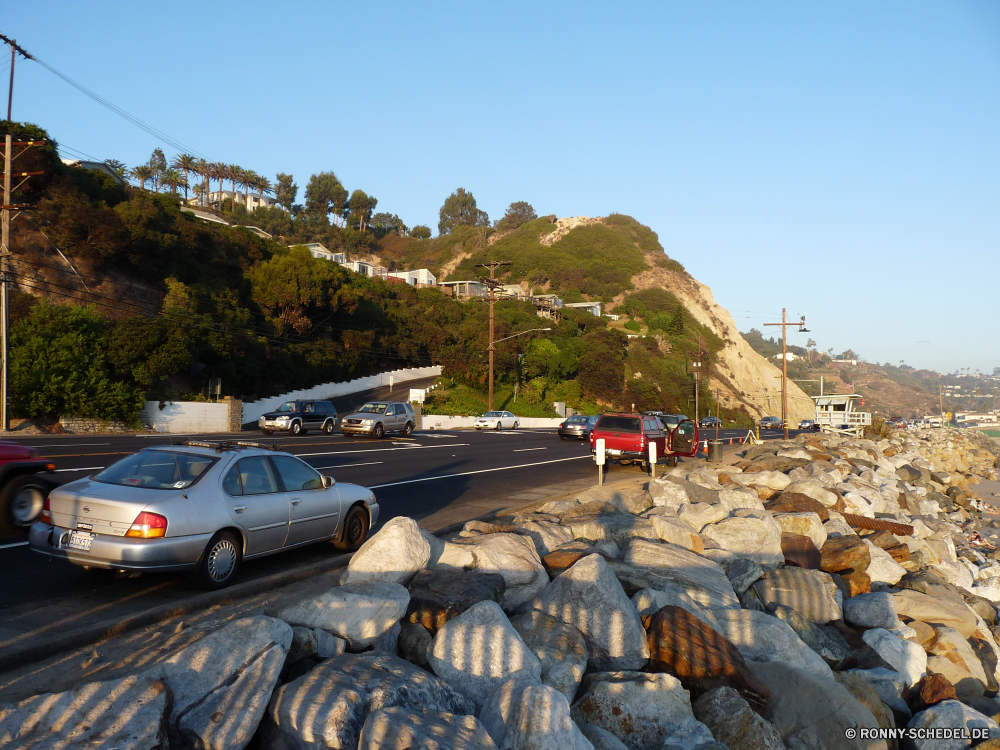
187, 416
443, 422
253, 410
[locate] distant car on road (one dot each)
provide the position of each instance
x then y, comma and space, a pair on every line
24, 483
771, 423
710, 422
497, 420
808, 424
201, 508
577, 426
298, 417
376, 418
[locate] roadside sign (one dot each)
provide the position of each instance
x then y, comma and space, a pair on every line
652, 459
599, 456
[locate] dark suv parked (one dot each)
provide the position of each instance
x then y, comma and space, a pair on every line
298, 417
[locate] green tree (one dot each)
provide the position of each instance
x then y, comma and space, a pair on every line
460, 208
142, 174
517, 214
285, 190
157, 165
187, 164
385, 223
173, 179
58, 367
293, 286
118, 166
359, 209
421, 232
326, 195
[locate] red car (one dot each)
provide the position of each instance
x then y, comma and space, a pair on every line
23, 487
627, 438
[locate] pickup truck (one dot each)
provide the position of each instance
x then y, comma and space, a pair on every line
24, 485
627, 438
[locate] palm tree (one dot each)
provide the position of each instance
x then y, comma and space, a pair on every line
142, 173
186, 163
264, 185
203, 170
219, 173
118, 166
233, 175
173, 179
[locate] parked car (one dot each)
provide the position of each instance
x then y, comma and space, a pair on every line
627, 438
497, 420
577, 426
298, 417
202, 508
376, 418
771, 423
710, 422
808, 424
24, 483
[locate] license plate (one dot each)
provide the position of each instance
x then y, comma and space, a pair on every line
614, 452
80, 540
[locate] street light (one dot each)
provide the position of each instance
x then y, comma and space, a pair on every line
784, 363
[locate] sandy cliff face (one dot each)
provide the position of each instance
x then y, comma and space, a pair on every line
744, 376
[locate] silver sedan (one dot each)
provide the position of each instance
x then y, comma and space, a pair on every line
201, 508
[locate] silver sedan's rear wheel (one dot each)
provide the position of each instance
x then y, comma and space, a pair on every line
222, 560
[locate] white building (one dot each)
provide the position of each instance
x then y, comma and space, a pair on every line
791, 356
514, 291
594, 308
463, 289
419, 277
99, 165
365, 268
252, 201
318, 250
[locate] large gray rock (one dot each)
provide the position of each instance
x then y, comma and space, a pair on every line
479, 650
734, 723
936, 609
222, 683
560, 649
811, 713
651, 601
589, 597
400, 728
889, 685
950, 714
328, 706
529, 715
882, 568
805, 524
815, 490
665, 491
873, 610
357, 612
126, 714
756, 538
741, 499
618, 528
515, 558
812, 593
906, 657
546, 535
315, 643
642, 710
676, 531
621, 500
742, 572
765, 638
601, 738
699, 515
393, 555
824, 640
703, 580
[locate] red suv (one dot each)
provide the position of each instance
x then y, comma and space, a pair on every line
24, 485
627, 437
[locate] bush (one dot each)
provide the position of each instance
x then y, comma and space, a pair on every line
633, 325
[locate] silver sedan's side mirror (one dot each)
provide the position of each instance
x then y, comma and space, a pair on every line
328, 482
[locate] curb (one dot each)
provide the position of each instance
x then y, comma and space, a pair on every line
102, 631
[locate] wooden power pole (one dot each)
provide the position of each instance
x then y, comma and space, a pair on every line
784, 363
5, 219
492, 284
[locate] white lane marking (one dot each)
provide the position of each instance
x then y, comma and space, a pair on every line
15, 544
347, 466
435, 435
66, 445
85, 468
480, 471
379, 450
522, 450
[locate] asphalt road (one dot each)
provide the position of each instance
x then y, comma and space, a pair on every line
437, 478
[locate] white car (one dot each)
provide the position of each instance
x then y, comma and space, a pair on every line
496, 420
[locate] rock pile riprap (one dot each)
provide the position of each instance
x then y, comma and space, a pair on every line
816, 585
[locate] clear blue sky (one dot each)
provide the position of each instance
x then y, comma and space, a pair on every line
839, 159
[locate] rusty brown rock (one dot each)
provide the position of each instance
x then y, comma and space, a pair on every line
800, 551
926, 635
797, 502
436, 596
845, 553
858, 582
932, 688
561, 560
701, 658
884, 539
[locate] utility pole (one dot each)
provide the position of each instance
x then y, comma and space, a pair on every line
492, 284
14, 48
784, 363
5, 219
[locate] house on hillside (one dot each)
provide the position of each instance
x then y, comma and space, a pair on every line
463, 289
791, 357
513, 291
594, 308
98, 165
365, 268
421, 277
253, 200
318, 250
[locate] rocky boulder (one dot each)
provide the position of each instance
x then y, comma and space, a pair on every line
546, 535
514, 557
951, 714
527, 714
399, 727
796, 502
393, 555
479, 650
942, 608
221, 684
677, 531
756, 538
812, 593
733, 723
618, 528
702, 579
589, 597
126, 714
765, 638
436, 596
560, 649
826, 641
805, 523
642, 710
357, 612
874, 610
906, 657
844, 553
